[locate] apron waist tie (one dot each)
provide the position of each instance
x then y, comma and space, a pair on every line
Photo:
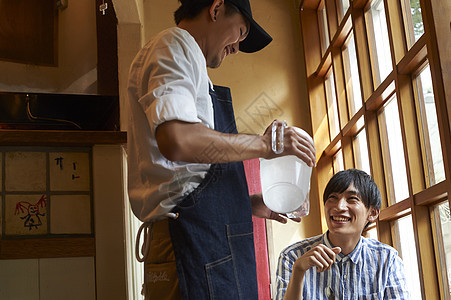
147, 229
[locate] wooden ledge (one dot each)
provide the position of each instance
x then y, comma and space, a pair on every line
47, 248
60, 138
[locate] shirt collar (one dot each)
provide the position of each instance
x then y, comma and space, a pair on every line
354, 256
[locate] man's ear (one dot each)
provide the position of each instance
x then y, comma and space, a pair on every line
374, 213
214, 9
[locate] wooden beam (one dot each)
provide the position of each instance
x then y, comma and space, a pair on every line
433, 195
395, 211
47, 248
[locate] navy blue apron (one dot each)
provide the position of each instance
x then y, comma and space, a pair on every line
213, 234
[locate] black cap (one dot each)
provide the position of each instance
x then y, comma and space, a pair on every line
257, 37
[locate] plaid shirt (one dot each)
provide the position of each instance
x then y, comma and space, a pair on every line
372, 271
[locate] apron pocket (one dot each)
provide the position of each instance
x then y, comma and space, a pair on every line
241, 242
220, 278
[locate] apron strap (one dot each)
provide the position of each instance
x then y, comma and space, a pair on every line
147, 229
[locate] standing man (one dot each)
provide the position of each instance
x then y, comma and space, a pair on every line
186, 179
341, 264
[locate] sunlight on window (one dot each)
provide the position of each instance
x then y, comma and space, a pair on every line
413, 21
351, 71
344, 5
332, 108
379, 42
405, 242
443, 225
431, 134
323, 29
393, 152
338, 162
371, 233
362, 160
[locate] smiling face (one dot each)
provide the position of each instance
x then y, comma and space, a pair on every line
228, 30
346, 214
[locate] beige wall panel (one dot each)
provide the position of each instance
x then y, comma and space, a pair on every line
111, 280
67, 278
19, 279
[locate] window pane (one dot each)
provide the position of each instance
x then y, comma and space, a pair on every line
443, 225
338, 162
413, 21
431, 135
323, 29
332, 108
352, 76
371, 233
405, 242
392, 150
343, 8
379, 43
362, 160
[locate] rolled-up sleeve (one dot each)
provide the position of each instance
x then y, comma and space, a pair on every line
171, 80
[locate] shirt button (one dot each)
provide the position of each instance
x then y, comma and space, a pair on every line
345, 276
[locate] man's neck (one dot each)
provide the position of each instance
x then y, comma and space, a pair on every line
345, 242
197, 28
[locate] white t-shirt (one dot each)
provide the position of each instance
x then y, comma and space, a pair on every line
168, 80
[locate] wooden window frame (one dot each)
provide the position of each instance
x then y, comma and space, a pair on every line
406, 61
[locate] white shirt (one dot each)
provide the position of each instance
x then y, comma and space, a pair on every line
168, 80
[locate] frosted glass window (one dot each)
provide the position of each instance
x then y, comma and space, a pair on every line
351, 71
338, 162
406, 247
393, 152
323, 28
371, 233
379, 42
332, 106
343, 8
429, 124
413, 20
443, 225
361, 157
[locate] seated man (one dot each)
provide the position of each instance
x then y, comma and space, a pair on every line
341, 264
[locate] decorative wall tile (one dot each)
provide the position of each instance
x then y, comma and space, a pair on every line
70, 214
69, 171
25, 214
67, 278
25, 171
19, 279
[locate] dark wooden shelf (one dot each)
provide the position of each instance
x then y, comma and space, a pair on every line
47, 248
60, 138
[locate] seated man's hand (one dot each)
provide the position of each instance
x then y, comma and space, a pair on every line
320, 257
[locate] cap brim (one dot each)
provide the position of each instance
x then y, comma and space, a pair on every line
257, 38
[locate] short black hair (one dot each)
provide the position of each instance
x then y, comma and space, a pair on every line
366, 188
189, 9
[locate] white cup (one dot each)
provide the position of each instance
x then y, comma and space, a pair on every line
285, 180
